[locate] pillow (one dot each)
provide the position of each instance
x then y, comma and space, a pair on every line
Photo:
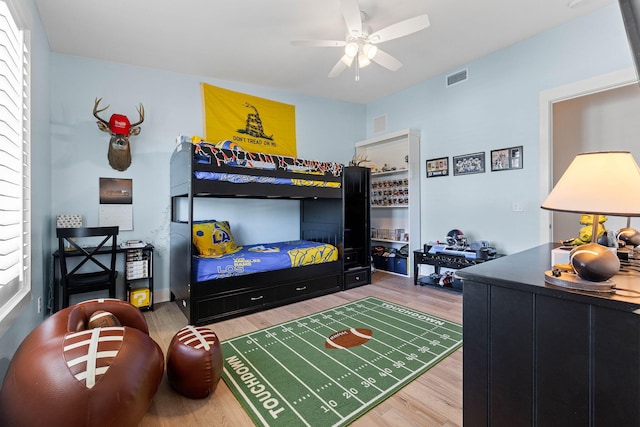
213, 238
228, 145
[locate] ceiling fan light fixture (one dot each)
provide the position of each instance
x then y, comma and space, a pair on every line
370, 50
351, 49
361, 42
363, 61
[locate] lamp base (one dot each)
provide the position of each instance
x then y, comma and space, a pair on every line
573, 281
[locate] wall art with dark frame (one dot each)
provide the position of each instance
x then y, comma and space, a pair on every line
438, 167
468, 164
506, 159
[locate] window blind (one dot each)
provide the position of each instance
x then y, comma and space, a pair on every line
15, 230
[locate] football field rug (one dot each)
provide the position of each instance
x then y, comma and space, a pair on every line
329, 368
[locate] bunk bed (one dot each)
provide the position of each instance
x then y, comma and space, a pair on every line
208, 294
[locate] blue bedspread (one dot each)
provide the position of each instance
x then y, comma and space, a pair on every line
263, 257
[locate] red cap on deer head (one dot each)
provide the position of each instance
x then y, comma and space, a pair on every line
119, 124
120, 129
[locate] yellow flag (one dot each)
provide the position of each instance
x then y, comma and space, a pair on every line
255, 124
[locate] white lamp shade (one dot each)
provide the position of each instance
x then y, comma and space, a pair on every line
363, 61
603, 183
370, 50
351, 49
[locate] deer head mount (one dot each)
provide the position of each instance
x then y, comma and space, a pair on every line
120, 130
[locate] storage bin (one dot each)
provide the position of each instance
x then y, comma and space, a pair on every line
378, 261
400, 265
387, 263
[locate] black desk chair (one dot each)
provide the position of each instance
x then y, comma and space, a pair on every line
73, 278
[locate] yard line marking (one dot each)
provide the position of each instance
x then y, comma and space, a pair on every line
385, 304
399, 381
382, 342
369, 349
292, 374
392, 390
271, 385
314, 347
381, 355
319, 350
412, 324
247, 400
295, 321
404, 331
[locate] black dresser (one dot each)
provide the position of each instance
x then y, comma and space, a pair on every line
538, 355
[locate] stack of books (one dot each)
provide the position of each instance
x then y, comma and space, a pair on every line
137, 265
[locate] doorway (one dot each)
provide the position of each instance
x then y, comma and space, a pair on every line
593, 115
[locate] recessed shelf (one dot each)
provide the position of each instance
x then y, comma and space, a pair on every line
374, 174
390, 241
401, 150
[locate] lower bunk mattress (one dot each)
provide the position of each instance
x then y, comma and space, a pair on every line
263, 257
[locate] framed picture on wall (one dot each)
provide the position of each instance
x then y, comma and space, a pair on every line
468, 164
438, 167
506, 159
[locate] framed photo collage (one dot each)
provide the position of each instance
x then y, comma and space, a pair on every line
501, 160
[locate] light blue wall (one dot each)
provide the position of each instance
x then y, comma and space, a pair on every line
325, 130
41, 190
497, 107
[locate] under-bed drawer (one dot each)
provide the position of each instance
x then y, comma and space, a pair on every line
308, 286
218, 306
258, 297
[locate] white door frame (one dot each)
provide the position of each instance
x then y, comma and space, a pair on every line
547, 99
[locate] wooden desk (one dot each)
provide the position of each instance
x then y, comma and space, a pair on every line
539, 355
147, 250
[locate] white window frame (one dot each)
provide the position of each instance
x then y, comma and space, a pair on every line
14, 298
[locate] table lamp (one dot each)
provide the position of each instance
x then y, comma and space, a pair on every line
596, 183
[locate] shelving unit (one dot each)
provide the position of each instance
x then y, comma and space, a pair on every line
395, 190
139, 276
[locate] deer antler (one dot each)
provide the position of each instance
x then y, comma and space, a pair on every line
141, 113
96, 111
357, 160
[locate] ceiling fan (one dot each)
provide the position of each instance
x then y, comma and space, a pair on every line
361, 45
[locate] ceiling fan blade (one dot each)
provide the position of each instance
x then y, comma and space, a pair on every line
318, 43
342, 64
386, 60
351, 13
400, 29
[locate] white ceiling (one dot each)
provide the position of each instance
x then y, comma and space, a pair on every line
249, 41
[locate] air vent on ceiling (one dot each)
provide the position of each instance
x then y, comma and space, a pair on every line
380, 123
456, 78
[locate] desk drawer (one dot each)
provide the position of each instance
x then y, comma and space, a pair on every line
422, 258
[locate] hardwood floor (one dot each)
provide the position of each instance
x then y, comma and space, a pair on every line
434, 399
